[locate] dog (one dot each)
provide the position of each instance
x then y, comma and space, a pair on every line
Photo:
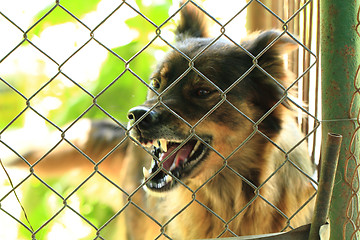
217, 136
228, 156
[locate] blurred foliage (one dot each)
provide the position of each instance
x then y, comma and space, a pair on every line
125, 91
116, 90
77, 7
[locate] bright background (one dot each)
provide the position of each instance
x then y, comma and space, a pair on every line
87, 67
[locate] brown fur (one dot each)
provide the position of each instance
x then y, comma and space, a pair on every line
256, 189
248, 183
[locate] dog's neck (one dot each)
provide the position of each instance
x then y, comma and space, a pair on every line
231, 198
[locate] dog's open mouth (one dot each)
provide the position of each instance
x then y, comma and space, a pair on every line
175, 157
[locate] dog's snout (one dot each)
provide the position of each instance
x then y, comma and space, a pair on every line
151, 117
137, 112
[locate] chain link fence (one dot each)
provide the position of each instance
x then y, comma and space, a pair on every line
121, 194
352, 163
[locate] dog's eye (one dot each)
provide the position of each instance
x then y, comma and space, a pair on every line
202, 92
155, 84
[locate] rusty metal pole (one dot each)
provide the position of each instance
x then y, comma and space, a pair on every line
340, 49
329, 164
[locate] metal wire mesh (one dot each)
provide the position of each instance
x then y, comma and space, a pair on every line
352, 162
287, 19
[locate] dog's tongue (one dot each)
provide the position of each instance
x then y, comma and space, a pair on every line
179, 157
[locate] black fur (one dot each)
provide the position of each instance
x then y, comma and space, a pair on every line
218, 92
191, 24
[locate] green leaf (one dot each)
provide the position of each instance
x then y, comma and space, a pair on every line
59, 14
157, 11
11, 104
127, 91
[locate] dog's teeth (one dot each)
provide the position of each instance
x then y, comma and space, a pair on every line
146, 173
168, 178
197, 145
156, 143
195, 148
153, 163
163, 144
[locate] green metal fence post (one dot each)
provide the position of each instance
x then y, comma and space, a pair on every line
340, 51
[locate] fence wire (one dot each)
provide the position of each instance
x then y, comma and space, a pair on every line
352, 163
287, 19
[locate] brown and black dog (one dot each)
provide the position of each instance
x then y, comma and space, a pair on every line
222, 134
228, 158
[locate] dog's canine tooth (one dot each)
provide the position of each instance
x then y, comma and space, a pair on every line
153, 163
168, 178
195, 148
146, 173
156, 143
163, 144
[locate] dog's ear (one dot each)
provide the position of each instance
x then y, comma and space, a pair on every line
270, 46
278, 43
192, 23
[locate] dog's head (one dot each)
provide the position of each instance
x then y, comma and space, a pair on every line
206, 98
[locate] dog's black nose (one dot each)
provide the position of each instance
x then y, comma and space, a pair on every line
151, 117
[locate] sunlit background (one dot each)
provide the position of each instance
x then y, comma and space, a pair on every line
49, 47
